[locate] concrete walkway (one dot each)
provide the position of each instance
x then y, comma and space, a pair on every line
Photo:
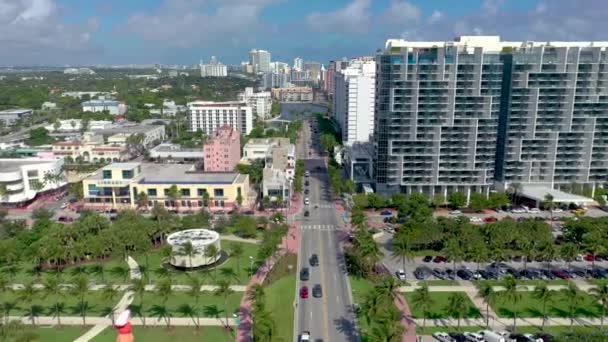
125, 287
508, 322
123, 304
106, 321
239, 239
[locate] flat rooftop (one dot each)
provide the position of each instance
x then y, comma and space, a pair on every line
8, 165
100, 103
115, 129
538, 193
14, 111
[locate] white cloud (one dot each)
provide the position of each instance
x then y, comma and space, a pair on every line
435, 17
354, 18
32, 30
402, 13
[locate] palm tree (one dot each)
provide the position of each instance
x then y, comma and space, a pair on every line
138, 287
80, 288
569, 251
211, 252
7, 307
512, 295
28, 295
162, 312
164, 290
600, 293
542, 293
52, 288
109, 293
174, 195
422, 299
402, 248
457, 306
224, 290
549, 204
489, 296
98, 269
515, 190
574, 299
195, 292
121, 271
188, 249
237, 251
256, 295
454, 251
142, 200
187, 310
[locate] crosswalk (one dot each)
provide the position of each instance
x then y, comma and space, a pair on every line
319, 227
323, 206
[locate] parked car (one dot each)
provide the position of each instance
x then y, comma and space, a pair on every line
305, 336
562, 274
450, 274
518, 211
386, 213
590, 257
63, 205
473, 337
306, 173
422, 272
306, 213
557, 210
490, 219
439, 259
476, 219
464, 274
427, 258
534, 211
455, 212
314, 260
439, 273
304, 274
304, 292
65, 219
400, 275
443, 337
306, 201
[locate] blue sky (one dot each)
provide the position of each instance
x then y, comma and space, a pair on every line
60, 32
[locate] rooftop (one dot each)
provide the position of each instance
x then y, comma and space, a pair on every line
268, 141
14, 111
167, 147
538, 193
198, 237
101, 103
8, 165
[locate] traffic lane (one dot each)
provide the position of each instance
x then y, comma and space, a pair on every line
313, 311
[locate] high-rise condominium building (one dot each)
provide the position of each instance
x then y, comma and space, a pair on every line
208, 116
259, 60
260, 102
476, 112
213, 69
354, 100
298, 64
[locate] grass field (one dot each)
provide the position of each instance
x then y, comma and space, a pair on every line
440, 302
359, 287
438, 282
24, 271
43, 306
54, 333
280, 296
162, 334
209, 304
529, 306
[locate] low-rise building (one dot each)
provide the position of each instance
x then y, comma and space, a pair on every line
26, 178
119, 186
82, 151
113, 107
282, 158
72, 125
259, 147
169, 108
208, 116
293, 94
9, 116
153, 134
48, 105
275, 184
172, 153
223, 150
260, 103
91, 94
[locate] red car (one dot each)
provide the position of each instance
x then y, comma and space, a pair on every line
561, 274
439, 259
490, 219
590, 257
304, 292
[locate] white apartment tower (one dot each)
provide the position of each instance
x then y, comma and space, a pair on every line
213, 69
260, 103
354, 102
298, 64
208, 116
259, 60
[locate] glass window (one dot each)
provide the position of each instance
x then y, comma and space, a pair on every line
201, 192
218, 192
127, 174
107, 174
152, 192
92, 187
185, 192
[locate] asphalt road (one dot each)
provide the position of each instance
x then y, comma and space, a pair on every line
329, 318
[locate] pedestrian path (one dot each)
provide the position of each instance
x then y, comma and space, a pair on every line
125, 287
106, 321
324, 206
508, 322
122, 305
319, 227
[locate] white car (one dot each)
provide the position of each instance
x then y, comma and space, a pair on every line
531, 338
307, 173
63, 205
476, 219
306, 201
305, 336
534, 211
455, 212
518, 211
557, 211
473, 337
400, 275
443, 337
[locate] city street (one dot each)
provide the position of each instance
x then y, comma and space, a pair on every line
330, 317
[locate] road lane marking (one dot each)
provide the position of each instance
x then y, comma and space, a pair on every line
323, 282
338, 299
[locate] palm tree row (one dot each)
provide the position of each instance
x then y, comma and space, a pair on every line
264, 327
380, 313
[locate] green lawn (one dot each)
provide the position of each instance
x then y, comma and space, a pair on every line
24, 270
162, 334
440, 301
439, 282
280, 296
97, 304
529, 306
54, 333
359, 287
209, 304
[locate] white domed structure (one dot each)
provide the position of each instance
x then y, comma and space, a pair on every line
200, 239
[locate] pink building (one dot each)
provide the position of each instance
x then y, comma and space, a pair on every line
223, 151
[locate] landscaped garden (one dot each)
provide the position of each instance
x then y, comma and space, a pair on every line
440, 303
530, 305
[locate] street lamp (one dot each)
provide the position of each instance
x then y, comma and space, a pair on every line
250, 265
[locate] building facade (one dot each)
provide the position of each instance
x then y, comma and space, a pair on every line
172, 153
260, 102
259, 60
258, 148
293, 94
213, 69
477, 112
354, 100
25, 178
208, 116
113, 107
298, 64
9, 116
223, 150
119, 185
81, 151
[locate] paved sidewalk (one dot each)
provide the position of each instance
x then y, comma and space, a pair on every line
238, 239
125, 287
464, 288
106, 321
245, 328
409, 326
508, 322
122, 305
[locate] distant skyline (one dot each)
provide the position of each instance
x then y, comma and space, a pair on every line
77, 32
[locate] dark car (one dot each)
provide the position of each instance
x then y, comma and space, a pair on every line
306, 191
515, 273
439, 259
386, 213
579, 272
314, 260
427, 258
548, 274
450, 274
306, 213
439, 273
65, 219
531, 274
422, 272
304, 274
464, 274
306, 183
248, 212
304, 292
317, 292
599, 273
489, 274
